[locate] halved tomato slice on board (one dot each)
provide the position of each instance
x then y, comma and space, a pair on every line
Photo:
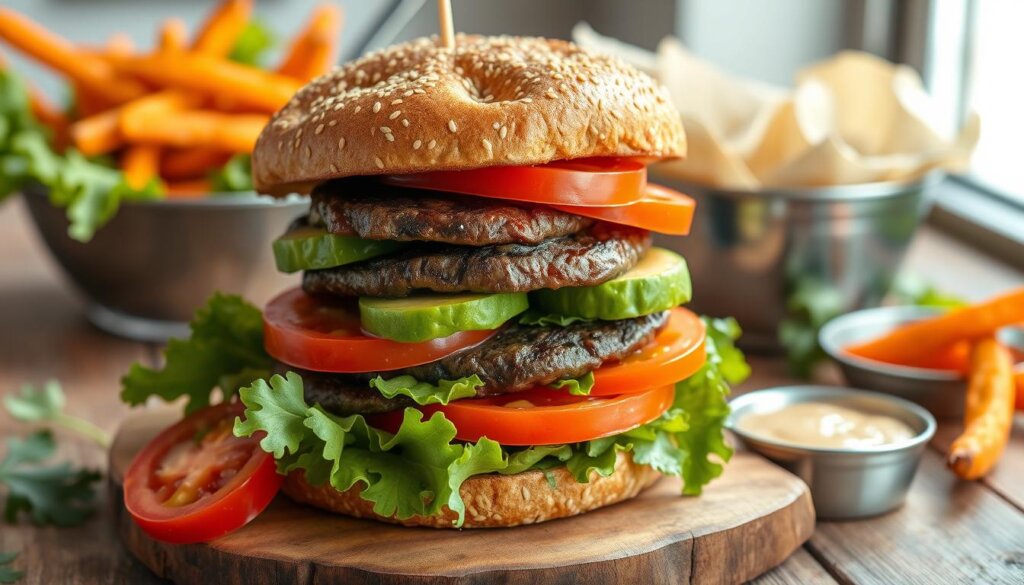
324, 335
592, 181
661, 210
197, 481
543, 416
676, 354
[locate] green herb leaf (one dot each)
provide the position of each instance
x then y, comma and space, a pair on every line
576, 386
417, 471
226, 346
910, 289
57, 494
424, 393
538, 318
47, 406
234, 176
7, 573
253, 43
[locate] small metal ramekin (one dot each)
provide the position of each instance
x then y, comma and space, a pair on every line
845, 483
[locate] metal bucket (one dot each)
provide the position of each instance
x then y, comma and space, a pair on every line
146, 271
751, 253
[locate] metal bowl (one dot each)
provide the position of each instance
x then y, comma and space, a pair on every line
147, 270
845, 483
751, 252
941, 392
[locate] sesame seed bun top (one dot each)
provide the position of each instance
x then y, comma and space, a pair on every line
490, 101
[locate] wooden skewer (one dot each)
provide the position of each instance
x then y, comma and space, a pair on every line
444, 13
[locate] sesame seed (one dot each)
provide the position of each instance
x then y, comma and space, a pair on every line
356, 111
417, 144
527, 100
395, 102
385, 129
332, 123
334, 169
309, 151
380, 163
390, 137
376, 107
395, 114
319, 129
341, 143
496, 125
503, 132
452, 126
431, 144
405, 122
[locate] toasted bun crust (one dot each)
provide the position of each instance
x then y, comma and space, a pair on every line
494, 501
491, 101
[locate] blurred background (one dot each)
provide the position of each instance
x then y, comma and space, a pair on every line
967, 52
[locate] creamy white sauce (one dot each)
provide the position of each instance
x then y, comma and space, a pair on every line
824, 425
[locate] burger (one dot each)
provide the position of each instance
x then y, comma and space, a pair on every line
484, 335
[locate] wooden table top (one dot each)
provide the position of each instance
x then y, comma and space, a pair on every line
948, 531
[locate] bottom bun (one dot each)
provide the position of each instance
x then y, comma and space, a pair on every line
494, 501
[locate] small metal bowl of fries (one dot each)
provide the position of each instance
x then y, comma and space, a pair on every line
936, 382
142, 192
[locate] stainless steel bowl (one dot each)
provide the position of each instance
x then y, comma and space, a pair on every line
146, 271
751, 252
845, 484
942, 393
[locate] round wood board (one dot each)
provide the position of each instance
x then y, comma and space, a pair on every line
746, 522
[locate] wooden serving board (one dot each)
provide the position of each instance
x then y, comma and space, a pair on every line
748, 521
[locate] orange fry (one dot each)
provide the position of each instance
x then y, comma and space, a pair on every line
988, 415
218, 35
173, 35
98, 134
258, 89
88, 70
917, 342
315, 50
160, 104
189, 189
191, 163
200, 128
140, 163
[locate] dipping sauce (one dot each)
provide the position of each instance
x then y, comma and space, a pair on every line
828, 426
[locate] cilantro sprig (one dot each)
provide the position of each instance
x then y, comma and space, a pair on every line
56, 494
45, 405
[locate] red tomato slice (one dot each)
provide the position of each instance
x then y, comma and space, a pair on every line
544, 417
676, 354
196, 481
660, 210
324, 335
598, 182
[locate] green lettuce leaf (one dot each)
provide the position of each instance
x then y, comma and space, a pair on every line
576, 386
538, 318
225, 347
424, 393
255, 40
234, 176
416, 471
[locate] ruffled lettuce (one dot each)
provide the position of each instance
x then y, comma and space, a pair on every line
576, 386
419, 469
539, 318
424, 393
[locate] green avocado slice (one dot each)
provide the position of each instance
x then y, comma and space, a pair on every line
430, 316
658, 282
312, 248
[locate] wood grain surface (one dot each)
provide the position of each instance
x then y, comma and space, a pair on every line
745, 523
43, 334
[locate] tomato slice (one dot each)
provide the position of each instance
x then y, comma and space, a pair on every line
196, 481
598, 182
324, 335
676, 354
544, 417
661, 210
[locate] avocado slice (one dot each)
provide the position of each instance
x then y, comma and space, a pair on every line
312, 248
658, 282
430, 316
